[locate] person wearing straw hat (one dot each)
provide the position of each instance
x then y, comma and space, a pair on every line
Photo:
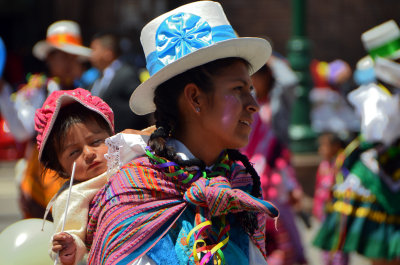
364, 215
192, 198
63, 52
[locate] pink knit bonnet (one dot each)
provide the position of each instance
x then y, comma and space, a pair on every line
46, 116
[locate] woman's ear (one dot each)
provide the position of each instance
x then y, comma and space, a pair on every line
194, 97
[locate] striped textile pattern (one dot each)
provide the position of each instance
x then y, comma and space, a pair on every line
140, 203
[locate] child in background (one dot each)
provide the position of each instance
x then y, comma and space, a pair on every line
330, 149
72, 127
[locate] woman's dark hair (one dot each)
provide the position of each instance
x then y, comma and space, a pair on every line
265, 70
68, 116
168, 121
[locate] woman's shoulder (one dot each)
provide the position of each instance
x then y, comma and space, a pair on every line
123, 148
137, 168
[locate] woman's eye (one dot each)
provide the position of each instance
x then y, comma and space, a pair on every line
253, 93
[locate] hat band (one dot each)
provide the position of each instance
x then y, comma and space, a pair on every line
60, 39
174, 50
386, 50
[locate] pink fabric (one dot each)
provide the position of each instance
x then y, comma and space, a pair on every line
270, 158
46, 116
324, 182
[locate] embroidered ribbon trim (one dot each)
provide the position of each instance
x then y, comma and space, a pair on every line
363, 212
171, 169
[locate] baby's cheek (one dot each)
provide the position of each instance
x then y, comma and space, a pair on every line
102, 151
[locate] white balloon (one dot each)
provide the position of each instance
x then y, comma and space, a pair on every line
24, 242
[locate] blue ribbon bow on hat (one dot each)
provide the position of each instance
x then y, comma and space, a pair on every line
181, 34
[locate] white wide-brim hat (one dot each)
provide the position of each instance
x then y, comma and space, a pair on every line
187, 37
383, 40
64, 35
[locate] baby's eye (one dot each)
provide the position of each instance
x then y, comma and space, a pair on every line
98, 142
73, 152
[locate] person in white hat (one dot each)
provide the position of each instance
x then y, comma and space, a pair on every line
383, 46
364, 215
188, 199
63, 53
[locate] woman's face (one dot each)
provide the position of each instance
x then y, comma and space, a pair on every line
227, 116
84, 144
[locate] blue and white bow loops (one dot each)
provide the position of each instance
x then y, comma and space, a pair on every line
181, 34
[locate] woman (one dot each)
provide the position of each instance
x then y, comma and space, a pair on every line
187, 200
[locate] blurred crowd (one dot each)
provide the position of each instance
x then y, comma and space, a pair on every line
355, 113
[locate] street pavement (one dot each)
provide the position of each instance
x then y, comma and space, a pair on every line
9, 213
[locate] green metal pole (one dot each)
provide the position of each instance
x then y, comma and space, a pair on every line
303, 138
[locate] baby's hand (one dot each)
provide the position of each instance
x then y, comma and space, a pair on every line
64, 244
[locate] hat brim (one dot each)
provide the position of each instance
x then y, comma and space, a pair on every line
42, 49
256, 51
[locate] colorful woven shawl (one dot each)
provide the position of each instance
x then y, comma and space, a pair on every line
145, 198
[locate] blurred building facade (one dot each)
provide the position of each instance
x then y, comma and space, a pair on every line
334, 27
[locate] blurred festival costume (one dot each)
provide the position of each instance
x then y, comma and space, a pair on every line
330, 110
364, 215
271, 159
188, 199
63, 52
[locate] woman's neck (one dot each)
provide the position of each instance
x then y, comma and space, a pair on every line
202, 149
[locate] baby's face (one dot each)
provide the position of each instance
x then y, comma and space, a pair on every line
84, 144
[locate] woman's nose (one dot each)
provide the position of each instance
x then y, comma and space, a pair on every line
252, 105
